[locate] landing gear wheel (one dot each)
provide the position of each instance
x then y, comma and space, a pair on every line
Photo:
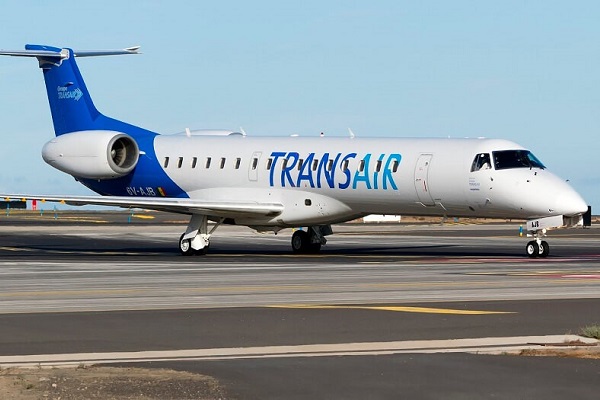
544, 249
314, 248
202, 251
533, 249
300, 242
185, 246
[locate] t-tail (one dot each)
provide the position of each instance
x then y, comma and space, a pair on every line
105, 154
71, 105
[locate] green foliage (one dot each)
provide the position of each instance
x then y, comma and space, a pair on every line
592, 331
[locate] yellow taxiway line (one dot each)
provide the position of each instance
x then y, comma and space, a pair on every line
425, 310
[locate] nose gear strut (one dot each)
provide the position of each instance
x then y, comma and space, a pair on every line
537, 228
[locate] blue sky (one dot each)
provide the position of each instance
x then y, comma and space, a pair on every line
527, 71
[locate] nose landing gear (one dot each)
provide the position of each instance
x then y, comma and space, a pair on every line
537, 228
537, 248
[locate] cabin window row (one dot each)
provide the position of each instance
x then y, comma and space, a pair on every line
207, 163
300, 163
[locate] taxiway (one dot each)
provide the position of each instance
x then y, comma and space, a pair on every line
94, 290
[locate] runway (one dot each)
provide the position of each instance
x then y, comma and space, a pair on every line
123, 267
104, 287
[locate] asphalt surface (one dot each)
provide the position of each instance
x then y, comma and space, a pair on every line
423, 376
113, 331
103, 284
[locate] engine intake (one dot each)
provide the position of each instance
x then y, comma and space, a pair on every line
92, 154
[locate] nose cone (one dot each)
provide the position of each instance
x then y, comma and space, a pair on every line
569, 202
540, 194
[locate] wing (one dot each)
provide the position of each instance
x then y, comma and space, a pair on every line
228, 209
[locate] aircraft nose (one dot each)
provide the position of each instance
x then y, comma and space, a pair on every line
569, 202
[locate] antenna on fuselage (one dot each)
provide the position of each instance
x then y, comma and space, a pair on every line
351, 133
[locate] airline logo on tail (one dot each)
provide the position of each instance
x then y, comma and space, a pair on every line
65, 93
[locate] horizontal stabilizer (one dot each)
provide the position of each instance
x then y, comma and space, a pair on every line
96, 53
52, 52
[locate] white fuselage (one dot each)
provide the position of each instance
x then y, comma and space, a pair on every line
330, 179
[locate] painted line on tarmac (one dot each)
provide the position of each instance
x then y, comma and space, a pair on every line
81, 252
422, 310
543, 274
477, 345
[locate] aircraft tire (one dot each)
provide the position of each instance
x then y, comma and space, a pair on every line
314, 247
185, 247
300, 242
532, 249
544, 249
202, 251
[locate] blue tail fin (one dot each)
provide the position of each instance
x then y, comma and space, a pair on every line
70, 102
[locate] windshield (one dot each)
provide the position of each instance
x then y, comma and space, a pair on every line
507, 159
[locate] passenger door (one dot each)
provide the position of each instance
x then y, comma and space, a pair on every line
422, 179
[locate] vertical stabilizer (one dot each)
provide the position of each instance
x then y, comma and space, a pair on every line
70, 102
71, 106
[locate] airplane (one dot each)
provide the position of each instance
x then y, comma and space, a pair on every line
273, 183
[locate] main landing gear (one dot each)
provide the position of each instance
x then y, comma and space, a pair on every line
311, 240
196, 239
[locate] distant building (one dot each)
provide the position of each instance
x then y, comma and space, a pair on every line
381, 218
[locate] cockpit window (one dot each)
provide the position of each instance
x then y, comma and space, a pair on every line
481, 161
507, 159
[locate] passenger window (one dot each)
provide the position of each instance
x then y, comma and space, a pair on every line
207, 162
345, 165
378, 166
269, 163
180, 162
329, 165
166, 164
222, 162
194, 162
238, 161
315, 164
395, 166
300, 162
481, 161
361, 166
254, 163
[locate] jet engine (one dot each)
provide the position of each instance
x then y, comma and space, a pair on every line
92, 154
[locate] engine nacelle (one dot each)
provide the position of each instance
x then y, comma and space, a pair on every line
92, 154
